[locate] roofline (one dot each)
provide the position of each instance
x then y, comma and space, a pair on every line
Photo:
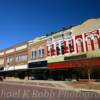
16, 45
47, 35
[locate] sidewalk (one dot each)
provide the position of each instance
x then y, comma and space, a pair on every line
65, 85
41, 83
85, 86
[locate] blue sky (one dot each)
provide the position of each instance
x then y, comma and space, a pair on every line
22, 20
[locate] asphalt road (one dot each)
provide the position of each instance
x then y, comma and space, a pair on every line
18, 91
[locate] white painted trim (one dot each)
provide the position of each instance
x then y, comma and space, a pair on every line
84, 46
74, 44
1, 53
21, 67
36, 60
99, 32
10, 51
8, 68
21, 47
97, 35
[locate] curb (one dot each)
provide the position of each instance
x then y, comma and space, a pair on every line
73, 89
89, 90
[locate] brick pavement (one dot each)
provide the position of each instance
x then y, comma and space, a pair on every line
66, 85
12, 91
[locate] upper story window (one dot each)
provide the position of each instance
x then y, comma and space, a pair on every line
96, 44
21, 58
51, 50
89, 43
62, 47
1, 61
57, 49
9, 60
34, 54
49, 41
79, 46
41, 53
67, 35
58, 37
70, 45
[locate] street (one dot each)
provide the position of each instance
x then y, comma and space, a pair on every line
19, 91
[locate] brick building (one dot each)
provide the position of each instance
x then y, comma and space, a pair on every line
72, 53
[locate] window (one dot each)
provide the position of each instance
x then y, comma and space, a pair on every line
1, 61
51, 50
41, 53
79, 46
70, 45
34, 54
17, 58
89, 43
49, 41
62, 48
58, 37
57, 49
10, 60
67, 35
96, 45
7, 60
21, 58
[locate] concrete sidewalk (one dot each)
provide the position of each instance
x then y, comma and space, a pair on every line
54, 84
42, 83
